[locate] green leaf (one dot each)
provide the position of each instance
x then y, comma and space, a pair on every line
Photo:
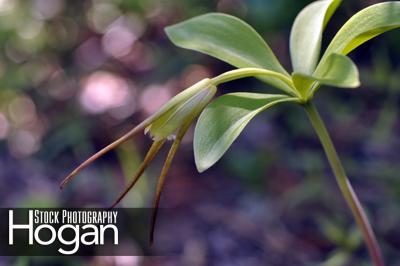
363, 26
338, 71
224, 119
228, 39
306, 34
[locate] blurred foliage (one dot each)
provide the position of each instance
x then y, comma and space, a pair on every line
75, 75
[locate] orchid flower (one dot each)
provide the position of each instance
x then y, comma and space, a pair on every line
171, 122
233, 41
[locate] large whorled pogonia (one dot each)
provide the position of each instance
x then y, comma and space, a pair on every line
237, 43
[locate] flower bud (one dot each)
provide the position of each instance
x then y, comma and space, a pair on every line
181, 109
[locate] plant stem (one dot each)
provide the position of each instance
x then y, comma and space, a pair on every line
250, 72
344, 184
253, 72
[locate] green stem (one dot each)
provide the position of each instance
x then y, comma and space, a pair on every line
344, 184
252, 72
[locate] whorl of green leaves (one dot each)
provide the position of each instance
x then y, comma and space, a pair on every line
235, 42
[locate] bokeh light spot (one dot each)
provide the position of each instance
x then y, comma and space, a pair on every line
47, 9
101, 15
30, 29
4, 126
194, 73
23, 143
22, 110
153, 97
118, 41
7, 6
89, 54
102, 91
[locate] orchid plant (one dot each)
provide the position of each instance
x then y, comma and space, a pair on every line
220, 121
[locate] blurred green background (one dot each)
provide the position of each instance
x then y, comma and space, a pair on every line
75, 75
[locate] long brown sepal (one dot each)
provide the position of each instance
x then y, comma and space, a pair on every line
103, 151
154, 149
161, 179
